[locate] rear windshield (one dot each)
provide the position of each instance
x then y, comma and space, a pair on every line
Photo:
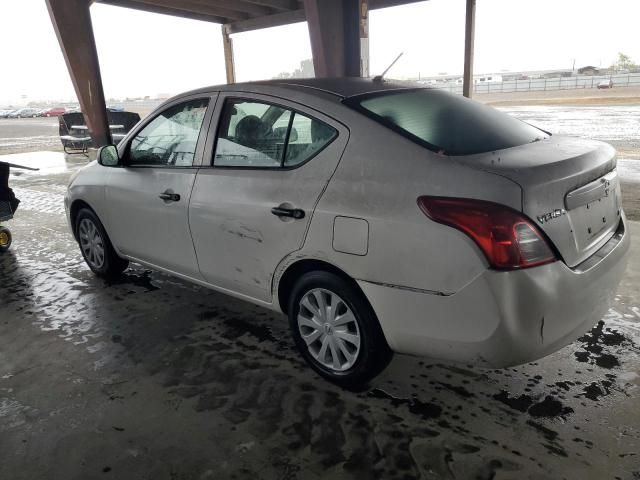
446, 123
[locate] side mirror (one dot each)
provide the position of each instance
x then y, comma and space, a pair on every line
108, 156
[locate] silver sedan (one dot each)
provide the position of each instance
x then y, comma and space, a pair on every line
379, 217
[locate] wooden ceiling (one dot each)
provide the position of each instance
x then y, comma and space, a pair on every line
240, 15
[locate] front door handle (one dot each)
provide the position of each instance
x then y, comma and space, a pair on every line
170, 197
288, 212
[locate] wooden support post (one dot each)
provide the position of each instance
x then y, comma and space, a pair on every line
72, 23
364, 37
470, 31
334, 31
229, 63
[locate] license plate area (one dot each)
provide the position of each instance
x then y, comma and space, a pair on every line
595, 211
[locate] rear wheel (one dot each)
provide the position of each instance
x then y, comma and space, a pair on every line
5, 239
96, 247
336, 329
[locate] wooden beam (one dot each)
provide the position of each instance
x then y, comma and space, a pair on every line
202, 8
335, 37
376, 4
164, 10
274, 20
243, 6
469, 38
232, 7
72, 23
281, 5
229, 63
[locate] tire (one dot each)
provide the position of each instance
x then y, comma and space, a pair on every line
5, 239
370, 354
95, 246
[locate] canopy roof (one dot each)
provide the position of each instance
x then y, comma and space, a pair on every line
338, 34
239, 15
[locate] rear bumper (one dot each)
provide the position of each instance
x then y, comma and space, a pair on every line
503, 318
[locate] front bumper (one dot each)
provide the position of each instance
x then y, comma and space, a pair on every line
503, 318
67, 210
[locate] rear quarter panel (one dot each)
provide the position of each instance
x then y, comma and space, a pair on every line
379, 179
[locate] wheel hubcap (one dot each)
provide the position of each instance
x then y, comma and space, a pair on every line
4, 239
329, 329
91, 243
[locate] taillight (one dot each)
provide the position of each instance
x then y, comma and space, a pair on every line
507, 238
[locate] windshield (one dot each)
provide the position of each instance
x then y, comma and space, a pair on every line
446, 123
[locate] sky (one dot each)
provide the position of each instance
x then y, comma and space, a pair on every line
150, 54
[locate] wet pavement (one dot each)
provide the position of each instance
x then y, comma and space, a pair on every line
617, 125
28, 134
151, 377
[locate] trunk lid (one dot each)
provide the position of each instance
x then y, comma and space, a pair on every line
570, 189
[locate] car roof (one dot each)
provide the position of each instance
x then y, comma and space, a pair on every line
342, 87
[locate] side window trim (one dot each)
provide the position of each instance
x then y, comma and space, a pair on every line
286, 138
211, 97
272, 101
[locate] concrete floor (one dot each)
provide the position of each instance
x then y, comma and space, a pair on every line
152, 378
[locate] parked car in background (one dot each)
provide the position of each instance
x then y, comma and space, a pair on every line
379, 217
6, 113
24, 113
29, 113
53, 112
488, 79
605, 84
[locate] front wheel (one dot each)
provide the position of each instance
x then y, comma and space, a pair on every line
96, 247
5, 239
336, 329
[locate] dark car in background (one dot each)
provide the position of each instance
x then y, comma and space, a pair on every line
24, 113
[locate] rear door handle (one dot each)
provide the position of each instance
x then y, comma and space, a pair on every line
170, 197
288, 212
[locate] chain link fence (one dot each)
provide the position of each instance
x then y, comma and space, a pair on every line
144, 107
545, 84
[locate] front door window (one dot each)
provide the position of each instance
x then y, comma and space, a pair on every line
170, 139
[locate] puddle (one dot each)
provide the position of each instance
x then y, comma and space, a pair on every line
594, 343
415, 406
550, 407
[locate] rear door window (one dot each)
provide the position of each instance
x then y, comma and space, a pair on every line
446, 123
261, 135
307, 137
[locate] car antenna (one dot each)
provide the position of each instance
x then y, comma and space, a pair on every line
380, 78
